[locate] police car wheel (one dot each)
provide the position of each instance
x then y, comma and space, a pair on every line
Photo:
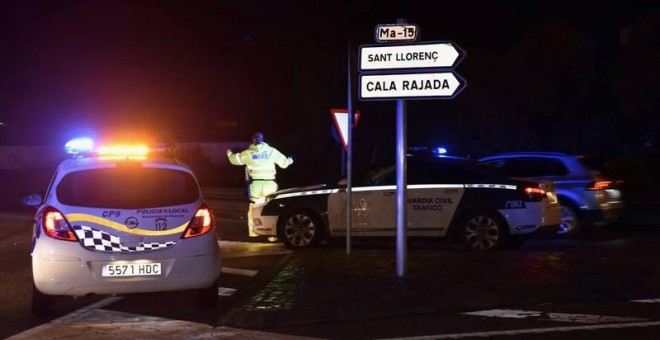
42, 304
482, 231
300, 229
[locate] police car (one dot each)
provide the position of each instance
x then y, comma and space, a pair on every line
121, 220
446, 197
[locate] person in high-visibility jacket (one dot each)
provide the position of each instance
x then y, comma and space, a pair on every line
259, 160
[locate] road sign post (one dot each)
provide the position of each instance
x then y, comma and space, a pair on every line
403, 72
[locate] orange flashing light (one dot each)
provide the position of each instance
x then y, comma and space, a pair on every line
115, 152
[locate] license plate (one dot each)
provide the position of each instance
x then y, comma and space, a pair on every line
614, 194
131, 269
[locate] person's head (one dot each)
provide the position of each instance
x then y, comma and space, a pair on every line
257, 138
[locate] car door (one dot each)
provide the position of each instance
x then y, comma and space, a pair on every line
372, 212
434, 192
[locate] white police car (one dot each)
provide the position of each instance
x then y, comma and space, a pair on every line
122, 221
446, 196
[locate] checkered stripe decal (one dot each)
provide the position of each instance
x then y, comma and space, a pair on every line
99, 240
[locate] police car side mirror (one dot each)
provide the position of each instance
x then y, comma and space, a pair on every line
33, 200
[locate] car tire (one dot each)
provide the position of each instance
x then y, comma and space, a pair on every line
482, 230
300, 229
42, 304
206, 298
570, 225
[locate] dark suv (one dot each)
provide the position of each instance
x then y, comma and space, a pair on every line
585, 195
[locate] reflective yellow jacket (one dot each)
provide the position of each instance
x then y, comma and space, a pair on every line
260, 160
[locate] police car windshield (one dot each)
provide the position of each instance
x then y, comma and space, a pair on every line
127, 188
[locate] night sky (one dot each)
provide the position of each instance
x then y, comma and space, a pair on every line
543, 76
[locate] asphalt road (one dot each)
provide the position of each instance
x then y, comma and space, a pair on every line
543, 290
614, 261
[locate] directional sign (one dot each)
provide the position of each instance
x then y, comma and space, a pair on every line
409, 56
340, 117
440, 85
397, 33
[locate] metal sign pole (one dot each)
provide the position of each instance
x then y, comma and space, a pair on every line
423, 79
401, 185
349, 154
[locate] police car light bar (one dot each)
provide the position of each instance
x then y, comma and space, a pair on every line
79, 146
84, 147
135, 152
122, 150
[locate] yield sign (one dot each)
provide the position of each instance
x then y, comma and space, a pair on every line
340, 117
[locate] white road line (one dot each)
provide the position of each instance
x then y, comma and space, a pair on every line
561, 317
224, 291
506, 313
532, 331
586, 318
82, 312
647, 301
238, 271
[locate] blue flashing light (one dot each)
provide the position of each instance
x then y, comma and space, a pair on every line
79, 145
440, 151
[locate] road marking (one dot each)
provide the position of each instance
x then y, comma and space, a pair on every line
533, 331
506, 313
239, 271
561, 317
82, 312
224, 291
647, 301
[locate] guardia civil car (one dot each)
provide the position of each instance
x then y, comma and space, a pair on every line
447, 197
119, 220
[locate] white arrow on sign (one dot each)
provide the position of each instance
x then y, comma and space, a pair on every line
423, 55
340, 117
442, 85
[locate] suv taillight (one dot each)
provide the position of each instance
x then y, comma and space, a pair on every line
599, 185
56, 226
200, 224
534, 194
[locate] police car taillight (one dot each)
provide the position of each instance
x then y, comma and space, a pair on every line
56, 226
200, 224
534, 194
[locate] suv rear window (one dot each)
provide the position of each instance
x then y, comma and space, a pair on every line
127, 188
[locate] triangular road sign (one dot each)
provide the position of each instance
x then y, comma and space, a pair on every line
340, 117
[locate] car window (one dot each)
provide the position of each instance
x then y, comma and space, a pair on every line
530, 167
382, 176
127, 188
450, 172
429, 171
